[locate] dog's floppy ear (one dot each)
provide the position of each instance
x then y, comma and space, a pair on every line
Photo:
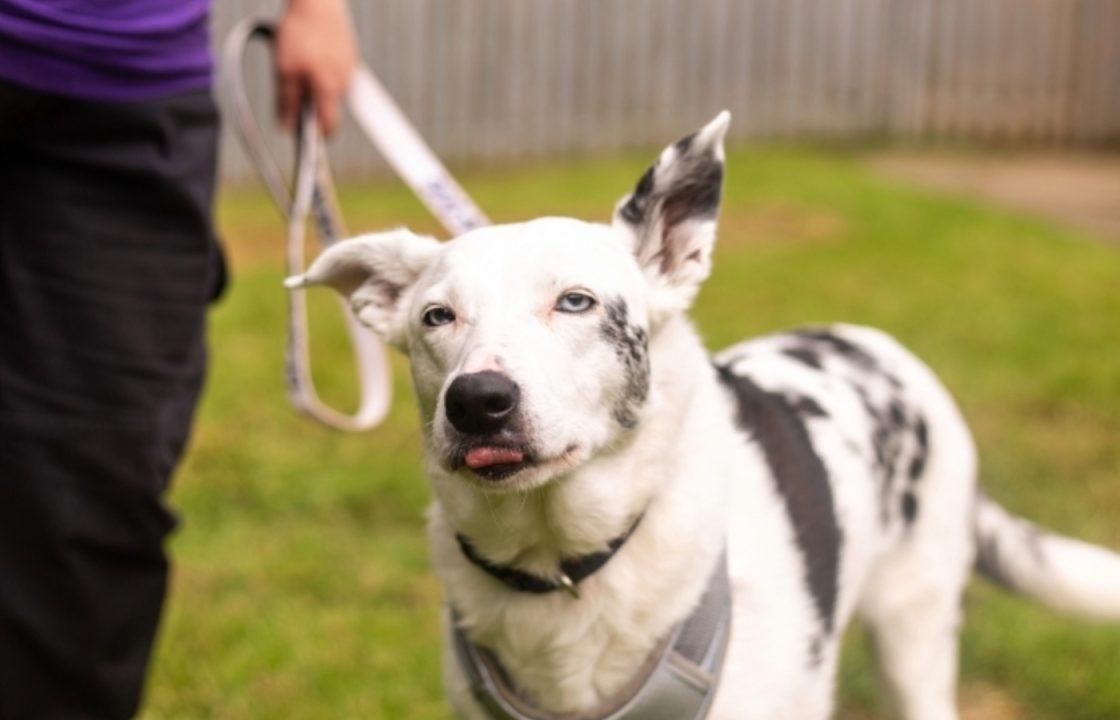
373, 272
670, 218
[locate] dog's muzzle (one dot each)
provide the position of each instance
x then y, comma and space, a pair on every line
486, 428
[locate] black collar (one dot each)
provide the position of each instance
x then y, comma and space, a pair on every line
572, 570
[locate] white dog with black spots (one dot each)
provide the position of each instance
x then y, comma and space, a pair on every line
565, 397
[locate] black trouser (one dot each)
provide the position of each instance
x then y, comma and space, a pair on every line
107, 263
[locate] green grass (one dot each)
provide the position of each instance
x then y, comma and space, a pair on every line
302, 586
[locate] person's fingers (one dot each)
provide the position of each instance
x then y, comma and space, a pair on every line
316, 53
289, 97
328, 104
330, 115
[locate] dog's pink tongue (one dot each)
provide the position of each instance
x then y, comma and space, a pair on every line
486, 455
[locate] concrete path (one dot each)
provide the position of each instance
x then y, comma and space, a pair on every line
1082, 190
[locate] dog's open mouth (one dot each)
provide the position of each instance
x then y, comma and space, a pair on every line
495, 462
497, 459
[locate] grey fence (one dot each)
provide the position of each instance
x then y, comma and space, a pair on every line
499, 80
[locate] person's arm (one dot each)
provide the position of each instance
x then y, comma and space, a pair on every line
316, 54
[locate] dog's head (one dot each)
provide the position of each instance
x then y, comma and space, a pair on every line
529, 343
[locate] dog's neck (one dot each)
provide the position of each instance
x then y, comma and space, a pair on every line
568, 654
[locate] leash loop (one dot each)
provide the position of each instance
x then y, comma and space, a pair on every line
311, 196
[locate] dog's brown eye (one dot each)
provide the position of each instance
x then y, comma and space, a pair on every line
575, 302
438, 315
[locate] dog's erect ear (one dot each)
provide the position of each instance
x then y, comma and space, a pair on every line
373, 272
671, 215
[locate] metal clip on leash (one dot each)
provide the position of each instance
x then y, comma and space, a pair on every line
313, 195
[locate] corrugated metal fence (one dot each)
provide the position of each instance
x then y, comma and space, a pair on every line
497, 80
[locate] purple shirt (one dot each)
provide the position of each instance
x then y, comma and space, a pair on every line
106, 49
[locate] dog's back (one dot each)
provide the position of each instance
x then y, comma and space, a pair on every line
875, 471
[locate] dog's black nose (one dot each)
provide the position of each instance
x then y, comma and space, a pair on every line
481, 402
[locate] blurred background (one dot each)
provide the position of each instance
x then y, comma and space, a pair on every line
944, 169
511, 81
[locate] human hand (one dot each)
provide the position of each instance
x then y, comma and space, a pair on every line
316, 54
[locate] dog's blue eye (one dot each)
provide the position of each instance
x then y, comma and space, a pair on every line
575, 302
438, 315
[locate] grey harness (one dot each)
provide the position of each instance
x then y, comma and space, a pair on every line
677, 682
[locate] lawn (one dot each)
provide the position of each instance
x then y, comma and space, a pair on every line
302, 587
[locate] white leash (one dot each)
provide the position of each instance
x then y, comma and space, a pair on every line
313, 195
385, 124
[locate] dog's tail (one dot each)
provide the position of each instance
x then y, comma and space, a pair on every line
1061, 572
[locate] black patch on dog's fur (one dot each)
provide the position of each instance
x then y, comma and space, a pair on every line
802, 481
816, 650
989, 563
631, 347
696, 193
684, 143
806, 406
890, 425
922, 434
838, 345
634, 210
897, 416
989, 554
854, 354
899, 436
909, 507
886, 439
921, 452
917, 466
804, 355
